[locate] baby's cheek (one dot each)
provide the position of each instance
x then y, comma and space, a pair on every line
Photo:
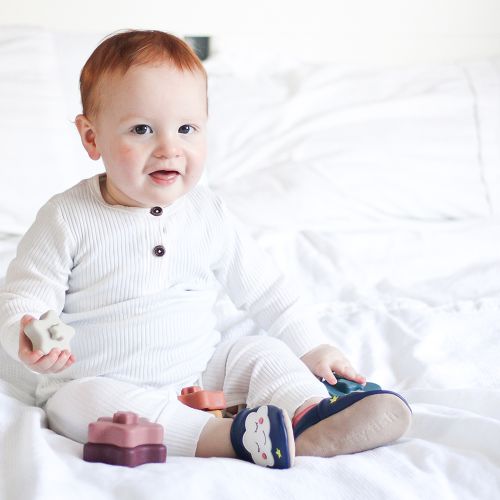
126, 151
129, 161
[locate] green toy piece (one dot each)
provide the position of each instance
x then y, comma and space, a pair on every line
345, 386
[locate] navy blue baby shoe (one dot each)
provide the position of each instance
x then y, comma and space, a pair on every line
335, 404
264, 436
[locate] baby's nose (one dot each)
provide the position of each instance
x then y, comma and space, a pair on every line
167, 148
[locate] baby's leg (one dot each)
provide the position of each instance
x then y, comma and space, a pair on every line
188, 432
263, 370
215, 439
260, 370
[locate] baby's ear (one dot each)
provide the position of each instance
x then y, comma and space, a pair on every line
87, 135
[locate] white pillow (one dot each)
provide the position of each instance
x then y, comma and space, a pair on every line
312, 145
37, 137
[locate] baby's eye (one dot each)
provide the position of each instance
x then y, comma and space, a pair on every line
142, 129
186, 129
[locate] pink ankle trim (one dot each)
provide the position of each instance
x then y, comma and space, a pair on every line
296, 419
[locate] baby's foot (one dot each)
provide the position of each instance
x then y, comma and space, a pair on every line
264, 436
356, 422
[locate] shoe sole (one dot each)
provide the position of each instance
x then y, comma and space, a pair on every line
373, 421
291, 440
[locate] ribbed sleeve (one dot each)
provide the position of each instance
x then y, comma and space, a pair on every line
255, 284
37, 279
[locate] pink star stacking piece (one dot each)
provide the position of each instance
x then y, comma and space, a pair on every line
126, 439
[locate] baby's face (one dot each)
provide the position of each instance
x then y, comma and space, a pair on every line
150, 130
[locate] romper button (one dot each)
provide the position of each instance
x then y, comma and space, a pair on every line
156, 211
159, 250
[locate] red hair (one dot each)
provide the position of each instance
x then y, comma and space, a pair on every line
120, 51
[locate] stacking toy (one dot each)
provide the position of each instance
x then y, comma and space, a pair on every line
126, 439
49, 332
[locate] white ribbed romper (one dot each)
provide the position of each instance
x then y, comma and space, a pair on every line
139, 286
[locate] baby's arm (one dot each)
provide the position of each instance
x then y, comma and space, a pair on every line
255, 284
36, 281
53, 362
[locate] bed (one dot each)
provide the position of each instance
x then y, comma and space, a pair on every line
377, 188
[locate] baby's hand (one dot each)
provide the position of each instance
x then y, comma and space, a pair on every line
53, 362
326, 359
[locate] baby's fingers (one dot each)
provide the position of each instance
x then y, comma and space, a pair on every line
324, 371
46, 362
26, 319
29, 357
348, 372
65, 360
26, 353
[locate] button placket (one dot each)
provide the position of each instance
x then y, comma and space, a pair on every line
158, 250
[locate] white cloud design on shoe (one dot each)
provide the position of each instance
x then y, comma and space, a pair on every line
256, 439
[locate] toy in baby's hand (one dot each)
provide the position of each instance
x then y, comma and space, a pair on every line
345, 386
126, 439
49, 332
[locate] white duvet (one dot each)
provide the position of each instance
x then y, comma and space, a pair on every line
377, 190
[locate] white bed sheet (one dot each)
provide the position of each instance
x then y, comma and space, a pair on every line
378, 191
432, 336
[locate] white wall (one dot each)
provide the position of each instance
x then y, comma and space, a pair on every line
382, 31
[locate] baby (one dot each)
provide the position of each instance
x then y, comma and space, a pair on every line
132, 259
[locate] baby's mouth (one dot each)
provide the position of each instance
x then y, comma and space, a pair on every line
164, 175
